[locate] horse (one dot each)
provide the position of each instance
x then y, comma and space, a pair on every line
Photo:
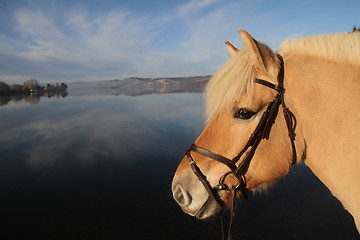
247, 144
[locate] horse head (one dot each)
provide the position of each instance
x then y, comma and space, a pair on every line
235, 108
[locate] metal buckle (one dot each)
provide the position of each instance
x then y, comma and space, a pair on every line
223, 186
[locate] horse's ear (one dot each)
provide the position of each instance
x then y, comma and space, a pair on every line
254, 48
231, 49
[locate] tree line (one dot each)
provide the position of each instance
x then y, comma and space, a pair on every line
31, 86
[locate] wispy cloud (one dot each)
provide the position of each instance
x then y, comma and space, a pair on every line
194, 5
75, 45
80, 43
91, 43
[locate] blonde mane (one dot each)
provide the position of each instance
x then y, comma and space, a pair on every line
338, 46
232, 80
236, 76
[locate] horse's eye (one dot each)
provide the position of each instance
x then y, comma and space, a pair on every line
243, 113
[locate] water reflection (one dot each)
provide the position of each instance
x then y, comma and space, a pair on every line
100, 167
93, 127
33, 98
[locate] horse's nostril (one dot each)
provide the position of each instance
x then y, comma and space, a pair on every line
182, 197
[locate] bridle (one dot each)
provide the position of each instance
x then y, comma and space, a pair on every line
262, 131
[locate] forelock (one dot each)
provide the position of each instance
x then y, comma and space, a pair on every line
229, 83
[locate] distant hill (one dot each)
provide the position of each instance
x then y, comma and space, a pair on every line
134, 86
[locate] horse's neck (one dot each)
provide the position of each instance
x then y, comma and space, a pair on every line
326, 97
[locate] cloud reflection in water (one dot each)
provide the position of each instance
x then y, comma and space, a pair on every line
91, 128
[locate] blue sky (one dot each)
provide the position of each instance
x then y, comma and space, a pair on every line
89, 40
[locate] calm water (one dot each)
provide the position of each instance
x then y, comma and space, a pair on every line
100, 167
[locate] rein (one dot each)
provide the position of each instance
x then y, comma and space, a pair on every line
262, 131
